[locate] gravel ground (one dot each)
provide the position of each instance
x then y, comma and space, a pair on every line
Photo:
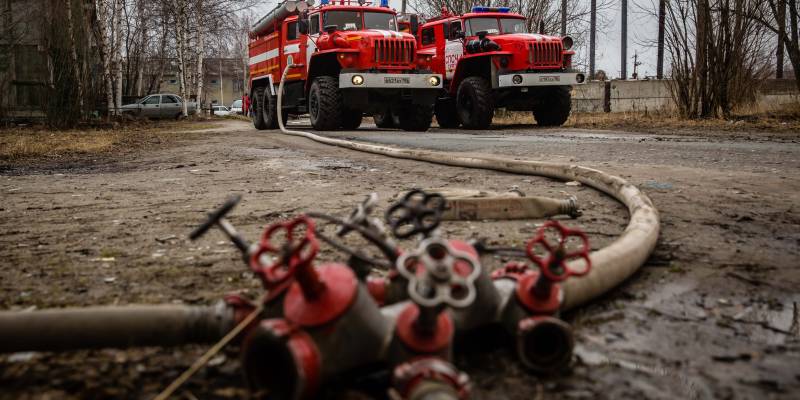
713, 313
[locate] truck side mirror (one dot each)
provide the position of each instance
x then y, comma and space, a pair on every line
413, 20
302, 26
459, 34
331, 28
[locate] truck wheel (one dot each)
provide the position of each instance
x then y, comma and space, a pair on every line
554, 107
446, 115
386, 119
324, 99
415, 117
270, 111
474, 103
258, 113
351, 119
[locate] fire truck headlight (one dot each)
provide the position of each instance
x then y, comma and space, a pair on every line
434, 80
567, 42
580, 78
517, 79
357, 80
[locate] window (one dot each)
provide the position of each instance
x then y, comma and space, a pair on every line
513, 25
213, 81
379, 20
173, 81
427, 36
455, 27
476, 25
344, 20
291, 31
314, 24
169, 100
152, 100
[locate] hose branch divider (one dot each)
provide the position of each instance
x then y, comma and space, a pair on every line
611, 265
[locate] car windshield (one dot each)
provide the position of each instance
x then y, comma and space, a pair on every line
380, 20
237, 103
475, 25
344, 20
513, 25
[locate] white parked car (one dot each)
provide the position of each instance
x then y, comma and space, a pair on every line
221, 111
236, 107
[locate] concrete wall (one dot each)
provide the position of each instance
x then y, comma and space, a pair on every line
654, 95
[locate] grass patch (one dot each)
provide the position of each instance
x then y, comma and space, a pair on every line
34, 142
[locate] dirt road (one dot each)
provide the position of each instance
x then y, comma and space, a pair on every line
713, 314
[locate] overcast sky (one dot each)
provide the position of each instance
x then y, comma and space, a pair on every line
641, 29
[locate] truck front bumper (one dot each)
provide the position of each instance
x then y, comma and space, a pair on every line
370, 80
540, 79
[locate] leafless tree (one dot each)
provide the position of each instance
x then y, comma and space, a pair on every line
718, 56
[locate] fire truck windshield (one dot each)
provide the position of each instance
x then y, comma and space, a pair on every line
495, 26
344, 20
352, 20
380, 20
513, 25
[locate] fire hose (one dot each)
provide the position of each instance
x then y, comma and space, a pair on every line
318, 323
611, 264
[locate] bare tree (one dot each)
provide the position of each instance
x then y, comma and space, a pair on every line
718, 56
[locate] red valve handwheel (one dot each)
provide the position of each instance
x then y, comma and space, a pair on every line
558, 256
301, 254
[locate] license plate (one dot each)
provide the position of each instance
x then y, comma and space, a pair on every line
397, 80
549, 78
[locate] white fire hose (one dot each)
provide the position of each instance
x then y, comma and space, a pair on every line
611, 265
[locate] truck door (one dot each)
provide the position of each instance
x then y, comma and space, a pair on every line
314, 28
291, 52
453, 48
151, 107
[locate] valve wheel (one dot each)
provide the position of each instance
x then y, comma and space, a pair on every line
554, 264
436, 274
418, 212
291, 255
360, 214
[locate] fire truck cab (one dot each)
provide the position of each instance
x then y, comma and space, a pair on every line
346, 59
489, 60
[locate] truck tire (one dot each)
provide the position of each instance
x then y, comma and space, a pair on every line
386, 119
258, 113
324, 101
415, 117
271, 110
351, 119
446, 116
555, 106
474, 103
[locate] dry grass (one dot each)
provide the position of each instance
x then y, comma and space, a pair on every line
783, 119
35, 142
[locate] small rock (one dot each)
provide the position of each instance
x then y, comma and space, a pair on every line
573, 183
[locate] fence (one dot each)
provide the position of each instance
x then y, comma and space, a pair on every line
654, 95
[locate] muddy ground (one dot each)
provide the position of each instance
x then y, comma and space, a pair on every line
713, 313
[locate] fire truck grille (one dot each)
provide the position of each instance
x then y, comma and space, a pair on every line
394, 52
545, 54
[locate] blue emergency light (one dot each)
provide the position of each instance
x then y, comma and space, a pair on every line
483, 9
324, 2
385, 3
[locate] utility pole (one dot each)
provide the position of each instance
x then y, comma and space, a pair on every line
662, 11
781, 17
403, 7
563, 18
592, 32
624, 42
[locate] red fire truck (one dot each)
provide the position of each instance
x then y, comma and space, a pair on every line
489, 60
348, 59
